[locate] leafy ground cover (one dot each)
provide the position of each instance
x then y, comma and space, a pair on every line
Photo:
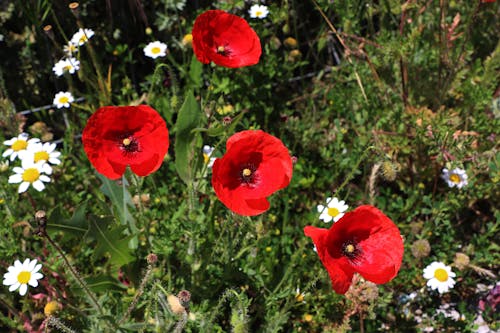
364, 104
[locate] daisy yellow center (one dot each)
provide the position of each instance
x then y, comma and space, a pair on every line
221, 49
350, 248
126, 141
30, 175
83, 39
19, 145
41, 156
246, 172
333, 211
155, 50
258, 13
63, 99
441, 275
455, 178
23, 277
68, 67
206, 158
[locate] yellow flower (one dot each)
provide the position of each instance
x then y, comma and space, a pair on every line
51, 308
187, 40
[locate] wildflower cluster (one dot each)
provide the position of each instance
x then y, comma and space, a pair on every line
70, 64
36, 159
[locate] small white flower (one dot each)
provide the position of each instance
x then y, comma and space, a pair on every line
207, 153
42, 152
333, 211
258, 11
63, 99
155, 50
440, 277
70, 49
22, 274
456, 177
82, 36
17, 145
70, 65
31, 173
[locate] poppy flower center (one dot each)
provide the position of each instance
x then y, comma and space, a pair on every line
247, 174
23, 277
441, 275
19, 145
129, 144
455, 178
351, 250
30, 175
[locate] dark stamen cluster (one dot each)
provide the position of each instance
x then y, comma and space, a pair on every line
351, 250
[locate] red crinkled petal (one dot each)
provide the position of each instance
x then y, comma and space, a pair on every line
378, 239
215, 28
338, 269
273, 171
101, 140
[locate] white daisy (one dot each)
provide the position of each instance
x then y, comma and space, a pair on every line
155, 50
439, 276
82, 36
70, 49
258, 11
22, 274
31, 173
42, 152
456, 177
17, 145
63, 99
333, 211
207, 153
70, 65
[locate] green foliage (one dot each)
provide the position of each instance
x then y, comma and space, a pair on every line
373, 110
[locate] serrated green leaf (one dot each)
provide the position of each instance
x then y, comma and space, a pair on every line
76, 226
110, 241
189, 118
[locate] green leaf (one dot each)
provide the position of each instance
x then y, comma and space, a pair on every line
76, 226
109, 241
103, 283
195, 72
189, 118
121, 200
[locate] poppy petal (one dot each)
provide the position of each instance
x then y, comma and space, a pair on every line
269, 168
226, 39
106, 131
378, 240
339, 271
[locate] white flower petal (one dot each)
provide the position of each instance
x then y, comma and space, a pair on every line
14, 286
23, 187
14, 179
22, 289
38, 185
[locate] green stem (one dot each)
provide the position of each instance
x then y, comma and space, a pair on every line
77, 277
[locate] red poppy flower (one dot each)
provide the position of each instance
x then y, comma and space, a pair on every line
117, 136
363, 241
256, 164
225, 39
